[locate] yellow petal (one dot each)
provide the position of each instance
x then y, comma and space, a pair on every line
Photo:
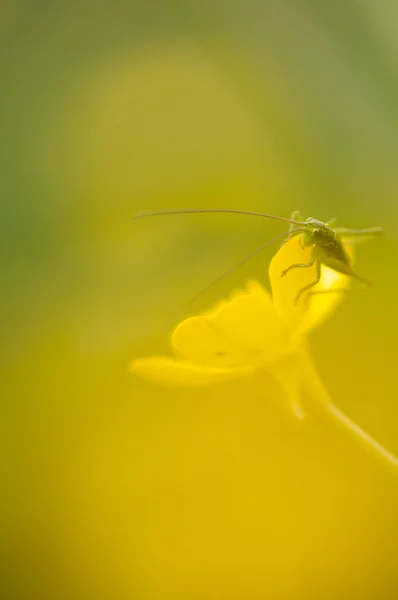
245, 331
174, 372
310, 310
322, 305
252, 288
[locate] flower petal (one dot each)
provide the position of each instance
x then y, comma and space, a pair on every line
310, 310
322, 305
244, 331
175, 372
251, 288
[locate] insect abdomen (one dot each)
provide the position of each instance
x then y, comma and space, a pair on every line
333, 248
333, 255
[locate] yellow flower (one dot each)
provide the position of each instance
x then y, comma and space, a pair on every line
253, 332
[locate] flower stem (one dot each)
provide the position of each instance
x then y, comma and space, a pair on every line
359, 433
322, 397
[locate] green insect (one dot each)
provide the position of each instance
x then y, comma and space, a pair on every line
325, 241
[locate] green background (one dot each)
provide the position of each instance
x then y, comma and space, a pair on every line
115, 487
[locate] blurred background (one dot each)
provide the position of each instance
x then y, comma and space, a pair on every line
115, 487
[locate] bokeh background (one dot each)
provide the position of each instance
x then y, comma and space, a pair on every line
115, 487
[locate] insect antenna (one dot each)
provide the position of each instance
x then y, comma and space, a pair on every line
241, 263
151, 213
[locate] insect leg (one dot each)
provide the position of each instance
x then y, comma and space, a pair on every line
358, 236
372, 231
313, 257
344, 290
295, 216
331, 221
310, 285
336, 291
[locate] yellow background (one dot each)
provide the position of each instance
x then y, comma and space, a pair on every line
115, 487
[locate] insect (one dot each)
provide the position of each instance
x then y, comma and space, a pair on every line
325, 241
